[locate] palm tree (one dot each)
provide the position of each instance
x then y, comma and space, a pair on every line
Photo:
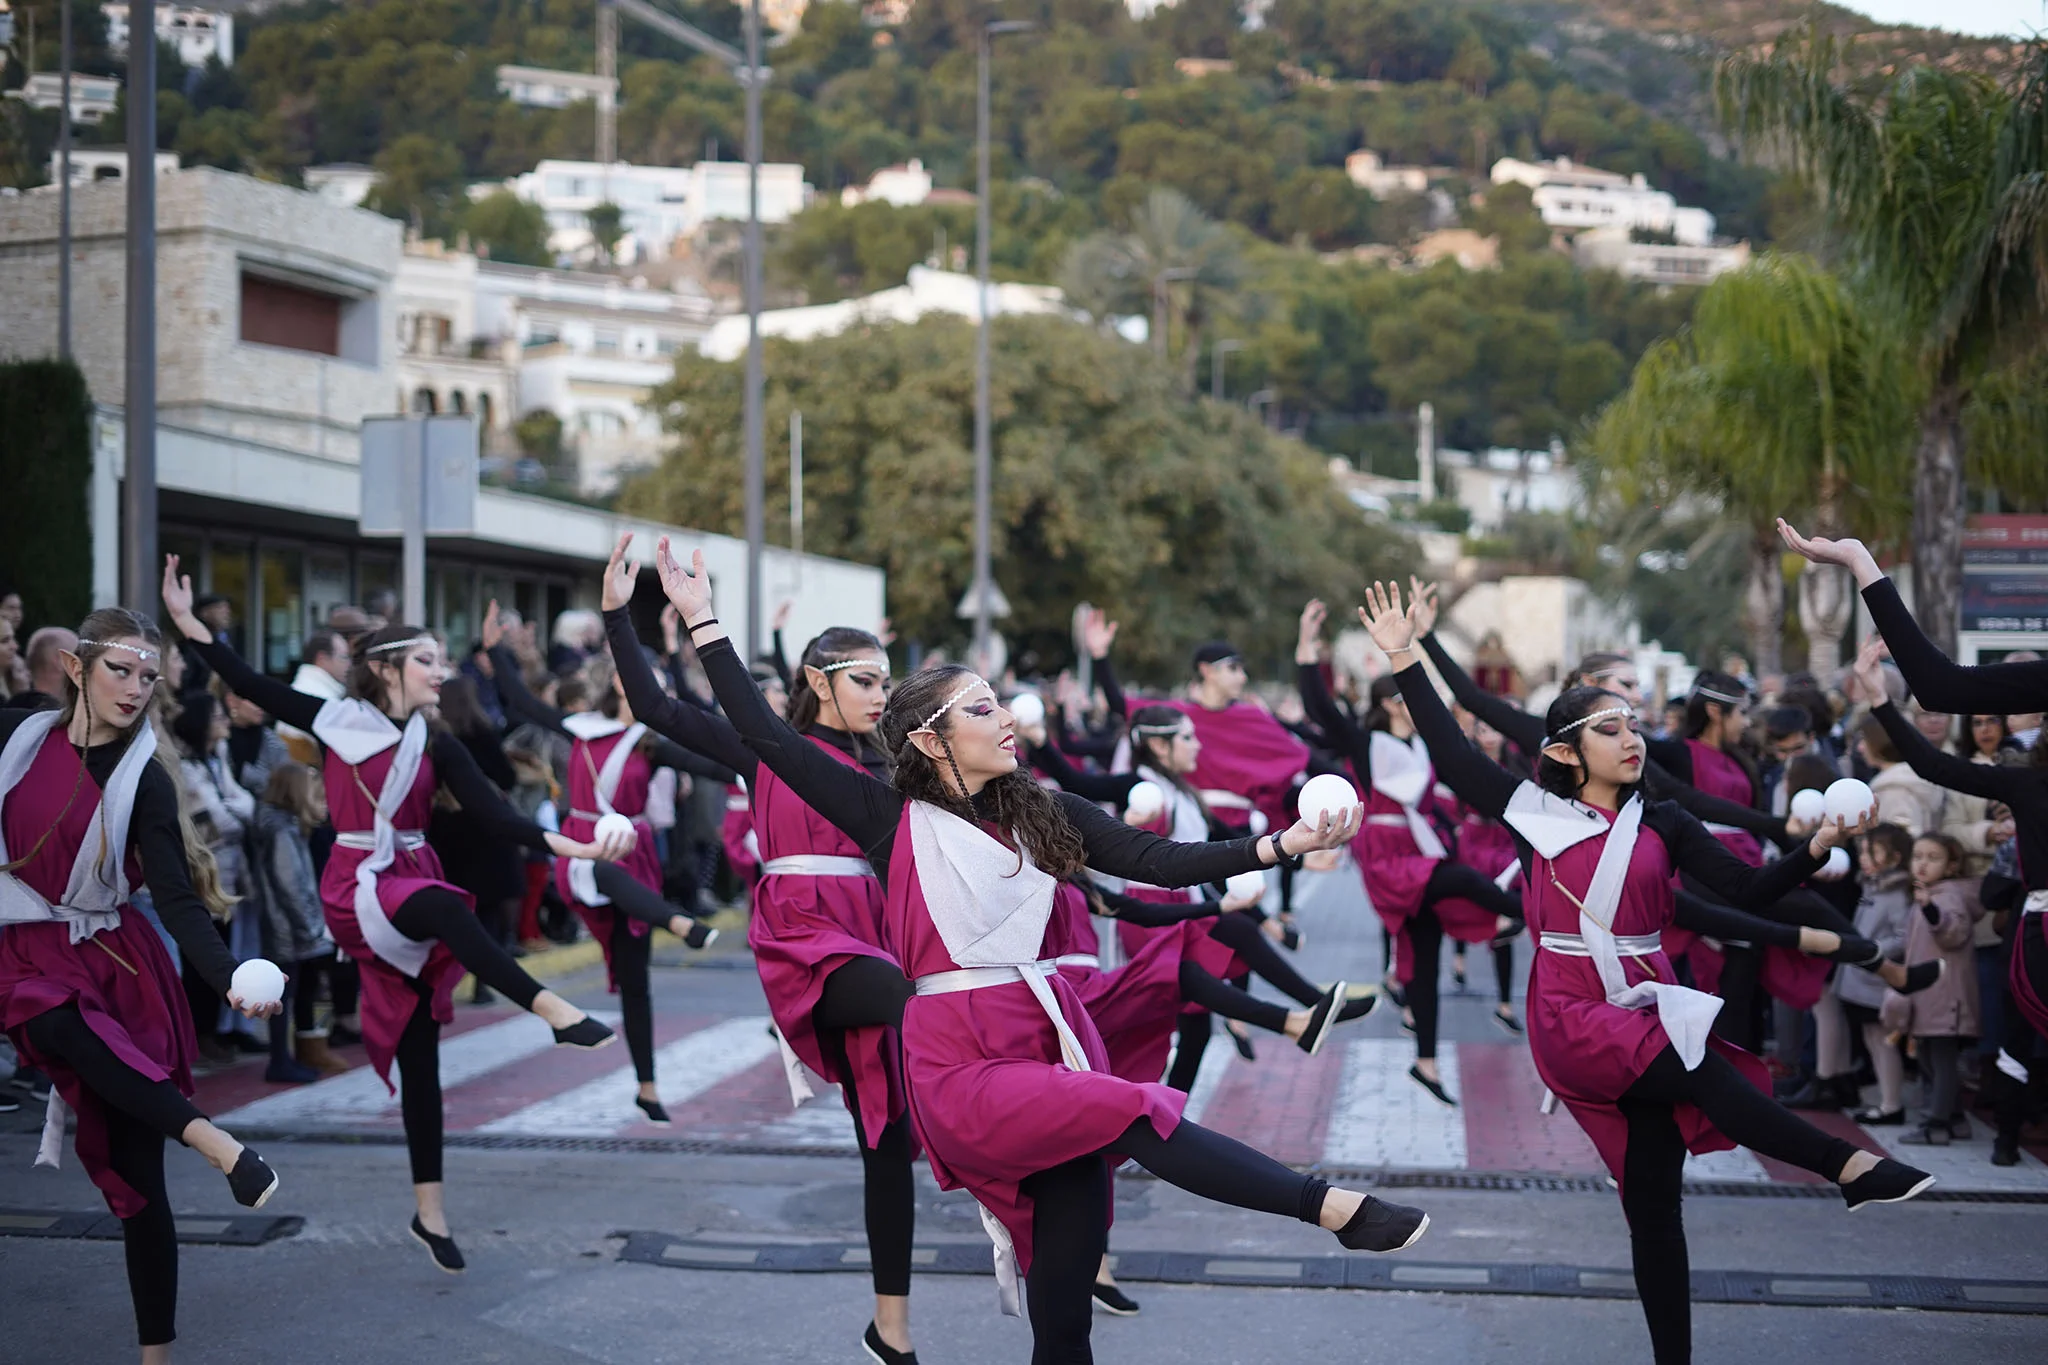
1176, 263
1936, 187
1782, 392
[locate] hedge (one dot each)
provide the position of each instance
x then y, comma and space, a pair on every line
45, 490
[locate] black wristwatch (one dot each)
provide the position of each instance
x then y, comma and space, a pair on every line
1281, 857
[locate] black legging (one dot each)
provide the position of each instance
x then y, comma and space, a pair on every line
1653, 1171
1191, 1041
140, 1114
419, 1090
1447, 881
864, 993
1201, 987
306, 995
435, 913
1504, 971
1070, 1219
630, 955
1240, 932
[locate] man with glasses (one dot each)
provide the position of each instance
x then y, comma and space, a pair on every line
1788, 733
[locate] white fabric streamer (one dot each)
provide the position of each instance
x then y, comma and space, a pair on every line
1401, 772
357, 731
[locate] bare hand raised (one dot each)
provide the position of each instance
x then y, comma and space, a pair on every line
1421, 605
620, 574
178, 602
1384, 620
1851, 554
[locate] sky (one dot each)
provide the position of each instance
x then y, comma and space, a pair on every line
1986, 17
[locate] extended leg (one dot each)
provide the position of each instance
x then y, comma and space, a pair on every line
1743, 1113
1199, 987
1191, 1041
1069, 1234
1653, 1171
434, 913
634, 901
1241, 933
629, 968
149, 1240
861, 993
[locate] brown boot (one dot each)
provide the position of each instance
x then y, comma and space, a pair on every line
313, 1051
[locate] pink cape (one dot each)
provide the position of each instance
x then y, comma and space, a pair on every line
990, 1099
389, 996
643, 864
1246, 751
803, 929
1587, 1051
135, 1005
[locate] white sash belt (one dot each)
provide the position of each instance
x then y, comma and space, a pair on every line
738, 801
1390, 821
1714, 827
362, 841
1217, 799
1078, 960
2035, 904
817, 865
1625, 945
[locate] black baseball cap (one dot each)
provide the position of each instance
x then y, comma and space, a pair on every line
1215, 652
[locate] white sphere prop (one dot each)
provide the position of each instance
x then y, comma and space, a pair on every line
1326, 794
1027, 709
1145, 802
1837, 866
1245, 884
1849, 800
613, 826
258, 982
1258, 824
1808, 805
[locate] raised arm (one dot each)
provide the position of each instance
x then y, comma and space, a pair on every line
1523, 730
1098, 633
690, 726
518, 698
295, 709
1994, 780
1341, 732
666, 753
1939, 683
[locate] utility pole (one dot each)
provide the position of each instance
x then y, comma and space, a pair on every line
756, 532
64, 186
607, 99
138, 484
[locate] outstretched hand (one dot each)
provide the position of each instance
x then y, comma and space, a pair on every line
1421, 605
620, 575
1850, 553
1869, 670
1098, 633
1332, 829
1390, 627
493, 630
689, 589
178, 602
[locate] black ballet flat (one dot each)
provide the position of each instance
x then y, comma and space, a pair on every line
1433, 1087
652, 1108
585, 1033
1508, 1022
1888, 1182
1321, 1019
447, 1256
700, 937
1874, 1117
1244, 1044
1111, 1299
1291, 938
1507, 936
1380, 1226
1921, 975
1458, 972
1359, 1006
252, 1180
881, 1352
1857, 952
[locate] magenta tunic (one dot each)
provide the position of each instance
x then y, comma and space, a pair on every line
135, 1005
806, 927
1587, 1051
643, 865
990, 1099
389, 995
1787, 974
1396, 872
739, 823
1214, 957
1246, 751
1137, 1005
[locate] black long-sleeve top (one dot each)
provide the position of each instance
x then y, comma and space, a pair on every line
1660, 779
1114, 788
454, 765
1150, 914
2025, 789
1939, 683
1487, 788
153, 834
869, 810
663, 752
695, 729
1343, 734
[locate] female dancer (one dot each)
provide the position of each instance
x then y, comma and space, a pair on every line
1415, 884
412, 934
1006, 1074
835, 992
87, 993
1488, 847
610, 767
1629, 1052
1939, 684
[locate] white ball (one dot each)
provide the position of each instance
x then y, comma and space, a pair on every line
1246, 884
613, 826
1808, 805
1027, 709
1145, 801
1325, 794
258, 982
1258, 824
1849, 800
1837, 866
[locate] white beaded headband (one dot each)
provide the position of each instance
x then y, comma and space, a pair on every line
951, 702
402, 644
882, 664
1712, 695
139, 650
1172, 729
1587, 719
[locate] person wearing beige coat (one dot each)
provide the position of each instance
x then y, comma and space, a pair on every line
1945, 912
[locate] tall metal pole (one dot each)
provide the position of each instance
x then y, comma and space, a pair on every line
64, 188
983, 457
796, 495
754, 436
138, 484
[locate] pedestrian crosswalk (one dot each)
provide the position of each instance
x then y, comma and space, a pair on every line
1351, 1107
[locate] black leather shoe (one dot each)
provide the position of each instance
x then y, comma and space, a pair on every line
701, 936
447, 1256
585, 1033
652, 1108
1888, 1182
1320, 1020
252, 1180
1359, 1006
881, 1352
1433, 1087
1112, 1300
1380, 1226
1244, 1044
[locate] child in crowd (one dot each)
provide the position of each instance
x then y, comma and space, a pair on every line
295, 935
1881, 916
1946, 910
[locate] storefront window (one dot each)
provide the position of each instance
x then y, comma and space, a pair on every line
284, 608
327, 587
227, 573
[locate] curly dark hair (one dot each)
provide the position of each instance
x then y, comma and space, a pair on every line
1573, 704
1024, 813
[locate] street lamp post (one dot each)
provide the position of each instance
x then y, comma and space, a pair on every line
1216, 361
983, 457
138, 482
755, 497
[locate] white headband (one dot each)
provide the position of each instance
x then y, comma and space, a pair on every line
1722, 697
951, 701
882, 664
1173, 729
402, 644
1589, 718
121, 644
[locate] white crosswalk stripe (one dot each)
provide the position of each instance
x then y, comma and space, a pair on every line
1382, 1118
683, 1070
